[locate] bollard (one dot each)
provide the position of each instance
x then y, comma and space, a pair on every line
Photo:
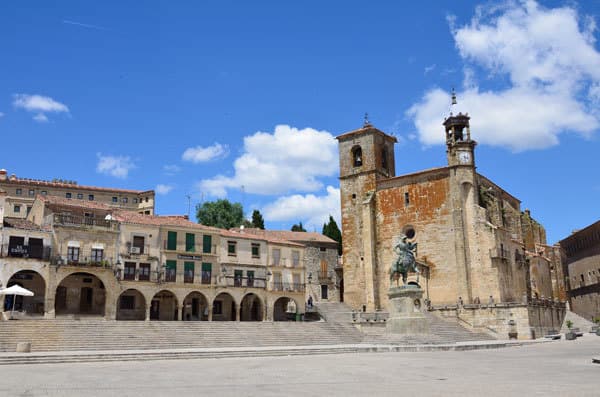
24, 347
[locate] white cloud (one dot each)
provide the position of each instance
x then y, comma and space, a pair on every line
200, 154
429, 68
40, 118
163, 189
117, 166
550, 67
40, 105
312, 210
171, 169
286, 160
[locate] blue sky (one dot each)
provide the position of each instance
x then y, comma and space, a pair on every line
242, 99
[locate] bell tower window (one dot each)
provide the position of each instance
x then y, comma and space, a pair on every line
384, 162
357, 156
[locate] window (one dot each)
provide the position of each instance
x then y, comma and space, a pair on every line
206, 273
250, 280
255, 250
115, 199
80, 196
324, 291
19, 192
97, 255
135, 200
295, 258
384, 163
188, 272
90, 197
237, 278
297, 285
31, 192
231, 248
17, 208
207, 244
190, 242
127, 302
29, 210
171, 271
146, 199
129, 273
124, 200
276, 256
357, 156
73, 254
68, 195
406, 199
137, 245
144, 273
172, 240
44, 193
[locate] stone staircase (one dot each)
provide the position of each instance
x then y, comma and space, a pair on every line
91, 334
578, 322
442, 331
335, 312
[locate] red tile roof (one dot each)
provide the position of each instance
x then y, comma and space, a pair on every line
237, 233
24, 224
304, 237
157, 220
37, 182
65, 202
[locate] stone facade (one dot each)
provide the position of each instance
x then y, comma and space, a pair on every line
474, 243
86, 258
582, 259
21, 194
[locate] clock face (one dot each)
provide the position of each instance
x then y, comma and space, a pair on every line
464, 157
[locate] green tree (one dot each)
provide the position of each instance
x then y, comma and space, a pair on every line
221, 213
332, 231
298, 227
257, 220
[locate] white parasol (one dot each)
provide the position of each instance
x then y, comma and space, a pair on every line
15, 290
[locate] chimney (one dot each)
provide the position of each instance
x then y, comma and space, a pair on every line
2, 174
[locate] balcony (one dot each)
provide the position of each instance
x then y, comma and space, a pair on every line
198, 251
291, 287
82, 221
81, 261
143, 249
244, 282
26, 251
324, 276
500, 253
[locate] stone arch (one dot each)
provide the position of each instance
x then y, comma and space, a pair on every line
357, 156
195, 307
224, 307
131, 305
251, 308
163, 306
33, 281
285, 309
80, 293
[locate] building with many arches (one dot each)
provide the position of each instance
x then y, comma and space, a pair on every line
87, 258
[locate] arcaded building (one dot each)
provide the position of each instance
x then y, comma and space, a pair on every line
481, 257
582, 258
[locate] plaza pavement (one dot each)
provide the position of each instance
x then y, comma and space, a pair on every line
560, 368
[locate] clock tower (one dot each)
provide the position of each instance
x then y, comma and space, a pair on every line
460, 148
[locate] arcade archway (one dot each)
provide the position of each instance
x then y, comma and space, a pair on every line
80, 293
251, 308
284, 309
131, 305
35, 283
224, 308
195, 307
163, 306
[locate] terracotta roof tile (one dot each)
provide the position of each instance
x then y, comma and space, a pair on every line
37, 182
24, 224
303, 237
237, 233
62, 201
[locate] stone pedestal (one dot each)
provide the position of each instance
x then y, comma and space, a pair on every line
405, 311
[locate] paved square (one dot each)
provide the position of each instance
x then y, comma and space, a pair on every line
562, 368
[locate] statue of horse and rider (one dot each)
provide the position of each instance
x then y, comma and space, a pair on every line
405, 262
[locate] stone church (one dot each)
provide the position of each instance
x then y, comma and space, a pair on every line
481, 258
